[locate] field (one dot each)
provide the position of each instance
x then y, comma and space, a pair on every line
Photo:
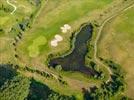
50, 24
9, 21
116, 43
27, 28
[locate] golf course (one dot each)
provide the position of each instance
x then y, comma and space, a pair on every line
66, 49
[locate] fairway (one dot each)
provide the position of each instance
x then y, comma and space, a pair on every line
73, 13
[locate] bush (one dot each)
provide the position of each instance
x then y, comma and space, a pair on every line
7, 72
39, 91
15, 89
109, 89
58, 67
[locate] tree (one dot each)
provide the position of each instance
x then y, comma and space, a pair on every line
7, 72
15, 89
58, 67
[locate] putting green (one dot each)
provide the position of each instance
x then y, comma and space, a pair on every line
34, 47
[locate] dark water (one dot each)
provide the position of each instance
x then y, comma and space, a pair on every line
75, 61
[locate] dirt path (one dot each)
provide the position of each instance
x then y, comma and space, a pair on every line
98, 37
12, 6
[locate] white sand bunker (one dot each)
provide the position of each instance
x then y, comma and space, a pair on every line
58, 38
55, 41
65, 28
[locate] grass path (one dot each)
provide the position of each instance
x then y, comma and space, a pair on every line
12, 6
98, 37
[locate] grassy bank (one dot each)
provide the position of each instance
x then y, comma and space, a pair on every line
117, 41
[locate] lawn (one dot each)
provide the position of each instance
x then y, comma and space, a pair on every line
9, 21
116, 43
34, 47
54, 15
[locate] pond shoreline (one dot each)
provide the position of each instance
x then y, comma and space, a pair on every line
74, 60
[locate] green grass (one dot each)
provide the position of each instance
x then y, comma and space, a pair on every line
117, 43
3, 20
54, 15
125, 25
8, 20
49, 25
35, 46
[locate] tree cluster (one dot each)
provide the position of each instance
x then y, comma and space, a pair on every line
39, 91
110, 89
15, 89
7, 72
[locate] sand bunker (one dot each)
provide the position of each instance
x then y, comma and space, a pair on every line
65, 28
58, 38
55, 41
68, 27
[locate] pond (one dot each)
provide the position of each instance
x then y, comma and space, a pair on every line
75, 61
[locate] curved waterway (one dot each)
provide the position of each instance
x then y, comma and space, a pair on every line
75, 61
